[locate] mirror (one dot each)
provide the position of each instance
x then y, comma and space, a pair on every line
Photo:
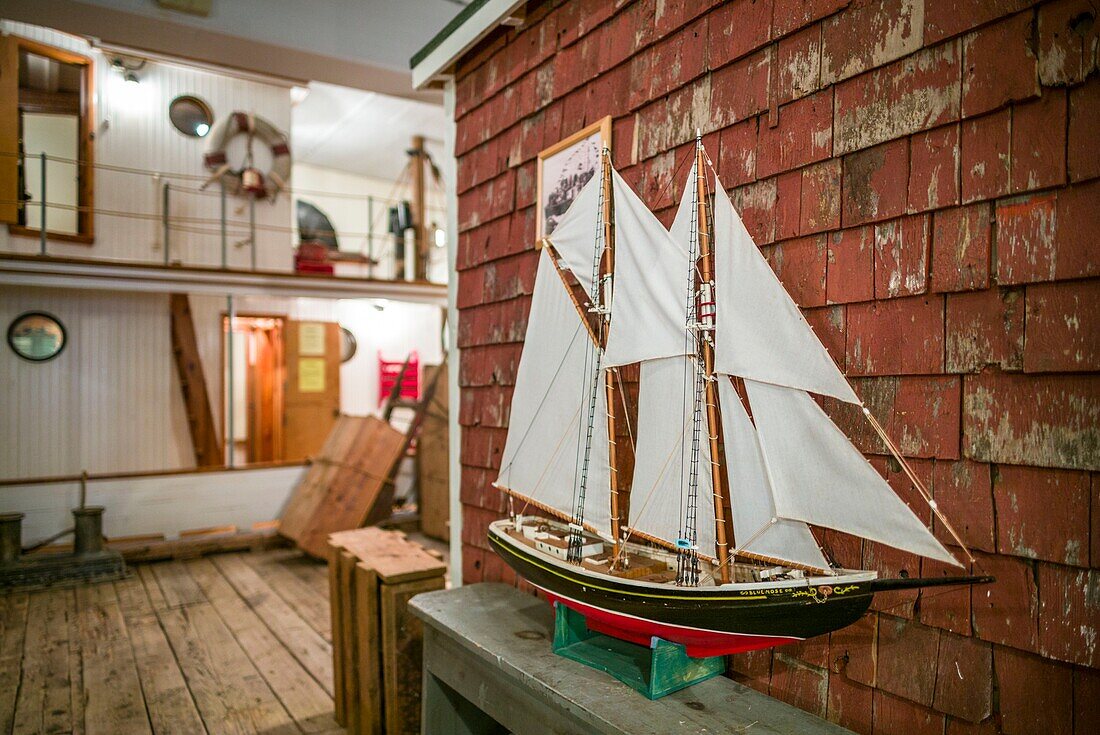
191, 116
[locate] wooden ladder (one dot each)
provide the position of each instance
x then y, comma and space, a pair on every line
419, 407
196, 400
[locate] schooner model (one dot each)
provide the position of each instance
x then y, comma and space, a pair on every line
711, 545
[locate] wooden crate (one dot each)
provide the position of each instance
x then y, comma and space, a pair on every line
433, 456
376, 642
350, 484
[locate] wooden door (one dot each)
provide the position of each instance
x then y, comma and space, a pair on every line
265, 390
312, 390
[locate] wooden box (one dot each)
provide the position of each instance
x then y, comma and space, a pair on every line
376, 641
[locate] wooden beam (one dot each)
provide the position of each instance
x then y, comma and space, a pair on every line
196, 397
420, 227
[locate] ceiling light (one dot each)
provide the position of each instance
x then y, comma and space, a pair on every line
202, 129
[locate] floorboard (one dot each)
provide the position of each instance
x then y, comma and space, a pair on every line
44, 704
168, 701
227, 644
296, 591
303, 642
112, 698
178, 588
14, 622
306, 700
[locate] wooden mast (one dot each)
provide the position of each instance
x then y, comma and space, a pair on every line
607, 263
706, 341
420, 226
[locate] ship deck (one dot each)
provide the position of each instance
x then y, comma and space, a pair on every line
658, 568
236, 643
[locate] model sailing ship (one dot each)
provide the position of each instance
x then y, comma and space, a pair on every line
725, 423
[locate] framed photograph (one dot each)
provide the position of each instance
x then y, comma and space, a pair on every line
563, 170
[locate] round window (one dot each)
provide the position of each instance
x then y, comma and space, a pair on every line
348, 345
191, 116
36, 336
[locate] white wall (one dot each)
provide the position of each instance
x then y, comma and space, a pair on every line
395, 330
352, 217
109, 402
164, 504
133, 131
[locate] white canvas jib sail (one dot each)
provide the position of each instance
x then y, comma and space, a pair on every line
544, 450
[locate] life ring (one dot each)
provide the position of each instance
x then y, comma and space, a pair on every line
248, 179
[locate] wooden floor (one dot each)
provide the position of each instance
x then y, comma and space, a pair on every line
233, 643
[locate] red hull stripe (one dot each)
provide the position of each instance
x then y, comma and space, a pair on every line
698, 642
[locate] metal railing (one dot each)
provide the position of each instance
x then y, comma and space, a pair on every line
197, 223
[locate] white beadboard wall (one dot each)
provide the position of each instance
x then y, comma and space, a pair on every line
110, 402
165, 504
133, 131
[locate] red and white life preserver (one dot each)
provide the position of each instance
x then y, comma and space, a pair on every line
245, 179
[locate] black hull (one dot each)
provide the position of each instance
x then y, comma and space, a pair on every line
738, 619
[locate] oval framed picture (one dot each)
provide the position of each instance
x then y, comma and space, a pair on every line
37, 336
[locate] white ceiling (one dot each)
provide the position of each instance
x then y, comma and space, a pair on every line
362, 132
383, 32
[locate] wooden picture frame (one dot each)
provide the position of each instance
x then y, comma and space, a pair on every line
577, 152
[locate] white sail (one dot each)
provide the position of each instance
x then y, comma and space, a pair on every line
658, 496
820, 478
756, 527
649, 315
544, 451
761, 334
577, 235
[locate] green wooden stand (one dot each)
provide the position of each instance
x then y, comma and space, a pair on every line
661, 669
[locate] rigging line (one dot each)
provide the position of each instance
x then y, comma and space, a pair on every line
672, 177
927, 496
542, 402
626, 413
650, 494
553, 455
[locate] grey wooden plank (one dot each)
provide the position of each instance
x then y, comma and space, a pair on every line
176, 584
305, 699
14, 621
44, 704
76, 671
230, 694
314, 572
152, 587
112, 695
302, 596
491, 644
168, 701
303, 642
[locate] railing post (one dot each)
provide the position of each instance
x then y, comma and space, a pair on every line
42, 207
252, 227
370, 236
225, 236
164, 219
230, 439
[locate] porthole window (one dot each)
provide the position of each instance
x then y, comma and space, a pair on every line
191, 116
36, 336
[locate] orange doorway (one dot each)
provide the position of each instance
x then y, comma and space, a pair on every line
256, 385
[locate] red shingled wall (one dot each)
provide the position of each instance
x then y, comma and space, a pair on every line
922, 176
